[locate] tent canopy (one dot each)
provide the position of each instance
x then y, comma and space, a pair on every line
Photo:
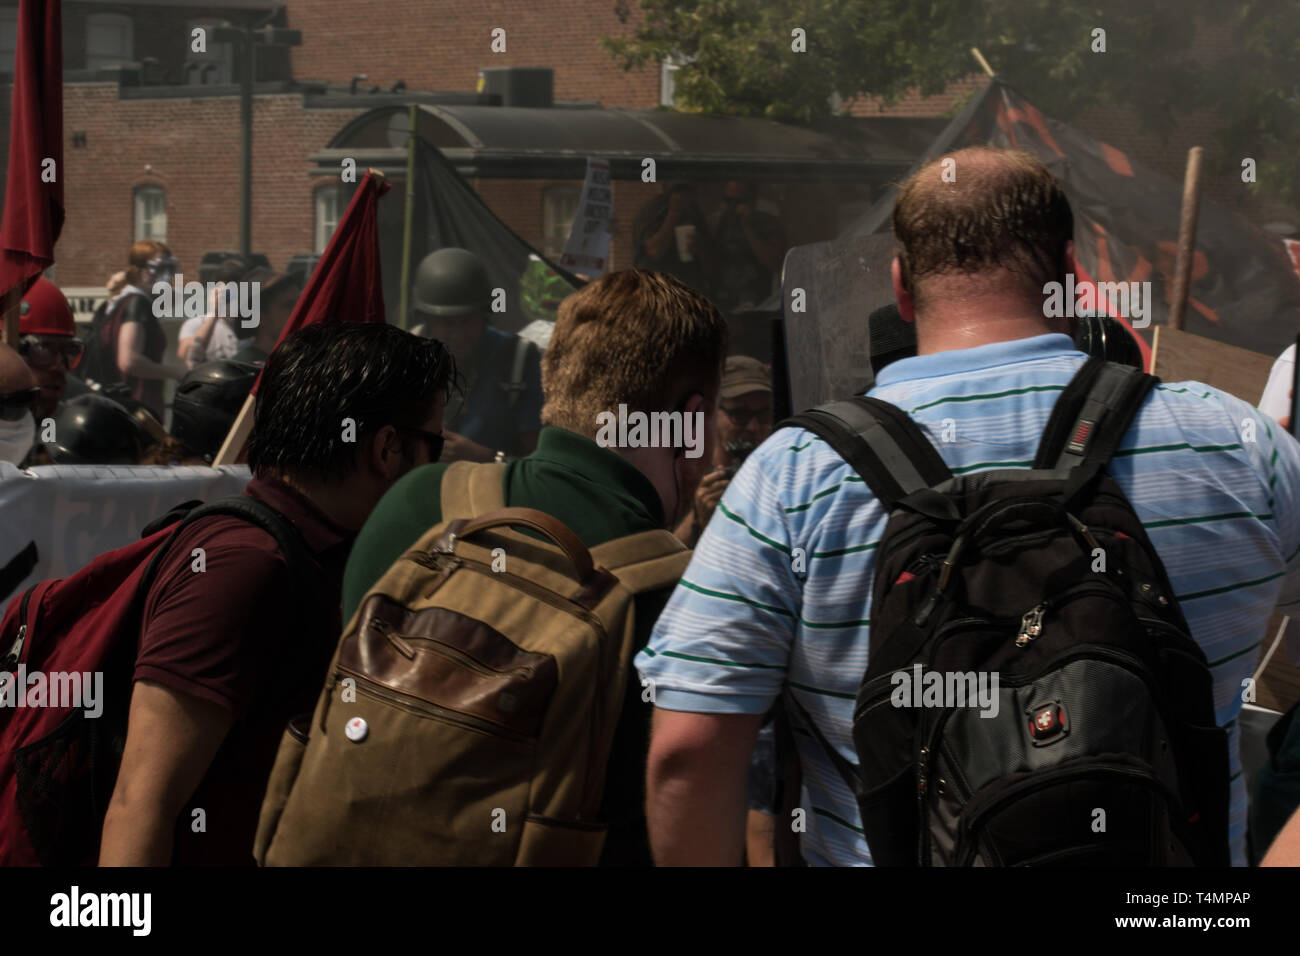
554, 143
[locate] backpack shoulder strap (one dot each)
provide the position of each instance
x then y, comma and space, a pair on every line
1091, 416
470, 489
645, 561
884, 446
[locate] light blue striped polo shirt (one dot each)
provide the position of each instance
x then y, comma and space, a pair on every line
1214, 482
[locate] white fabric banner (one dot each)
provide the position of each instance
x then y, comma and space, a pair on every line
74, 513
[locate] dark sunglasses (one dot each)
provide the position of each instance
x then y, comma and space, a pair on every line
743, 416
14, 405
44, 353
435, 440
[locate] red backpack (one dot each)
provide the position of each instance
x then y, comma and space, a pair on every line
58, 766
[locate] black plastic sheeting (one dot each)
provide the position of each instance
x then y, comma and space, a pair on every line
448, 212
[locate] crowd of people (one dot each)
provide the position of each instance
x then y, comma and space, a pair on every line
777, 599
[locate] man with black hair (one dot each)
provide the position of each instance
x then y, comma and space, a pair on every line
230, 648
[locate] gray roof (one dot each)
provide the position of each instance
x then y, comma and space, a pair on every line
518, 142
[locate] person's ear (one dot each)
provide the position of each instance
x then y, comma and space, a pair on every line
384, 452
1068, 263
902, 294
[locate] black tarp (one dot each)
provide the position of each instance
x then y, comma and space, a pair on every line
448, 212
1126, 216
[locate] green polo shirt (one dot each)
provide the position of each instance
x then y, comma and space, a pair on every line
592, 490
600, 497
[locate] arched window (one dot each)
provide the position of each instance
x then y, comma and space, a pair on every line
151, 213
330, 203
559, 206
110, 40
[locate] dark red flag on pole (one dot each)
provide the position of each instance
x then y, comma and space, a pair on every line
345, 286
33, 211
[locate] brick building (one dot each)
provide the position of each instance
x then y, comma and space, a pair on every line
152, 125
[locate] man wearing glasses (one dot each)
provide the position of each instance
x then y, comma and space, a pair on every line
744, 420
48, 343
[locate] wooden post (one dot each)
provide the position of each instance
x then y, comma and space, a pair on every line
235, 441
407, 218
9, 307
1186, 238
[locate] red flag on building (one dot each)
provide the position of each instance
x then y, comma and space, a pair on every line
33, 210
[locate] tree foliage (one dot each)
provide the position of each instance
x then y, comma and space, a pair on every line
737, 58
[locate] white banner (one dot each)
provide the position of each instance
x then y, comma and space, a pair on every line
587, 248
74, 513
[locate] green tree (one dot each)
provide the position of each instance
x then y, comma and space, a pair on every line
738, 56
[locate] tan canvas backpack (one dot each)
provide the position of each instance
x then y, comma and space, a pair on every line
468, 713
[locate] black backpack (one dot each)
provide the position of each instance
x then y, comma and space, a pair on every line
1103, 747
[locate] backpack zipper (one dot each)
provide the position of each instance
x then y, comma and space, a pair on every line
424, 708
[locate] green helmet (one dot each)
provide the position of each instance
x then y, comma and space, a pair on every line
541, 289
452, 282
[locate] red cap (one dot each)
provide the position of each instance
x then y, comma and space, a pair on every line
45, 311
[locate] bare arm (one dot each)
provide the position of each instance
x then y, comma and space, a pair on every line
1285, 850
695, 787
768, 253
657, 243
131, 359
171, 740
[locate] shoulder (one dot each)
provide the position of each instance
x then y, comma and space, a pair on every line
240, 551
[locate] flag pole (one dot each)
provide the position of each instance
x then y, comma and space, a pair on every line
1186, 238
979, 58
406, 225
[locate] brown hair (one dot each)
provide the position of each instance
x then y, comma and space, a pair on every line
637, 338
141, 252
1004, 210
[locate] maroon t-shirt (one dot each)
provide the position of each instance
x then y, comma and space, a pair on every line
239, 635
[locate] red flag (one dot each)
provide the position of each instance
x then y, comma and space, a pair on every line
346, 285
33, 213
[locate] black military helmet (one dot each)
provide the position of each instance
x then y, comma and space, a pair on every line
207, 402
1104, 337
92, 429
452, 282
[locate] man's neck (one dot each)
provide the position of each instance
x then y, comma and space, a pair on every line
339, 501
968, 325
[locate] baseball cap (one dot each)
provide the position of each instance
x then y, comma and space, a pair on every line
742, 375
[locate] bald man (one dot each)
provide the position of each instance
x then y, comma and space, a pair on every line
982, 254
19, 393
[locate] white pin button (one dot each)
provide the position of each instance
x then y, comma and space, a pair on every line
357, 729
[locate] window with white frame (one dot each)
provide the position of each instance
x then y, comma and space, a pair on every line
329, 206
559, 206
151, 213
668, 82
110, 40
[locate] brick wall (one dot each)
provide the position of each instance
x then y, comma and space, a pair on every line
442, 44
193, 148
